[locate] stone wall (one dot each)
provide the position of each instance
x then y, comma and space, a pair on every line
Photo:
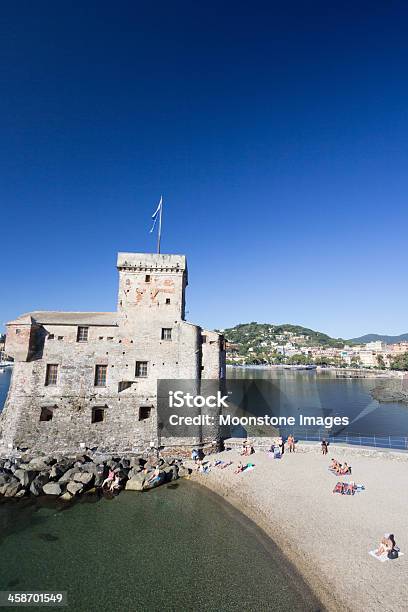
127, 402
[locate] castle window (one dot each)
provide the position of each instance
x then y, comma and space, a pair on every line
82, 334
141, 369
18, 331
144, 412
47, 412
51, 375
60, 337
166, 333
147, 278
100, 375
50, 336
167, 301
98, 415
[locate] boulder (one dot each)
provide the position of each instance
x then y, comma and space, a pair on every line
36, 487
75, 488
25, 477
4, 477
66, 496
84, 478
52, 488
38, 464
68, 475
136, 482
89, 467
183, 471
11, 487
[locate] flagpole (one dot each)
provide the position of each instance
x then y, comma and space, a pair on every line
160, 226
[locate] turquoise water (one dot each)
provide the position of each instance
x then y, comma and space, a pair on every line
178, 547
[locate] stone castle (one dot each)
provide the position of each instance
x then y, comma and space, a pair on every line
89, 379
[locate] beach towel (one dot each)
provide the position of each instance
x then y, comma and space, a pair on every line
249, 468
384, 556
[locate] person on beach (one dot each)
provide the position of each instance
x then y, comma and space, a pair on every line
115, 483
154, 476
108, 481
194, 455
240, 468
246, 449
291, 443
324, 446
386, 545
281, 446
345, 469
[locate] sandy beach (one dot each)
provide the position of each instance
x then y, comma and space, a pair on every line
328, 536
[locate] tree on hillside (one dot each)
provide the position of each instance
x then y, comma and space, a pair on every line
381, 362
400, 362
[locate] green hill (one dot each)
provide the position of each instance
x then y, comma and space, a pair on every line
259, 335
381, 337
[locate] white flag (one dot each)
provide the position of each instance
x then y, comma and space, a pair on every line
156, 213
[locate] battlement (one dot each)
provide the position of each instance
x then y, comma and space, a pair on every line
154, 262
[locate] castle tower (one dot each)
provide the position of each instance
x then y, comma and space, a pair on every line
152, 285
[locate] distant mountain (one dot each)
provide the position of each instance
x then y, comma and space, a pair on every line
259, 335
381, 337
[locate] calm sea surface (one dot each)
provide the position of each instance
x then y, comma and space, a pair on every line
176, 548
310, 393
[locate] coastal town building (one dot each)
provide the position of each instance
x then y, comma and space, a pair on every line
89, 379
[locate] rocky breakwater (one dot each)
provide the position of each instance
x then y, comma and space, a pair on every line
69, 477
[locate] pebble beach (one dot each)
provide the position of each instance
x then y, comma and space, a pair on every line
327, 536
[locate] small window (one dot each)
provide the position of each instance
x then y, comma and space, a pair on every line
82, 335
144, 412
60, 337
47, 412
166, 333
141, 369
98, 415
147, 278
100, 375
51, 375
109, 338
100, 337
167, 301
18, 331
50, 336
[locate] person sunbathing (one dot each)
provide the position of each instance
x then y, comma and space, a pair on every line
345, 469
240, 468
109, 479
154, 476
226, 464
386, 545
334, 465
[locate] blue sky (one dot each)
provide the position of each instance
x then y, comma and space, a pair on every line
277, 133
